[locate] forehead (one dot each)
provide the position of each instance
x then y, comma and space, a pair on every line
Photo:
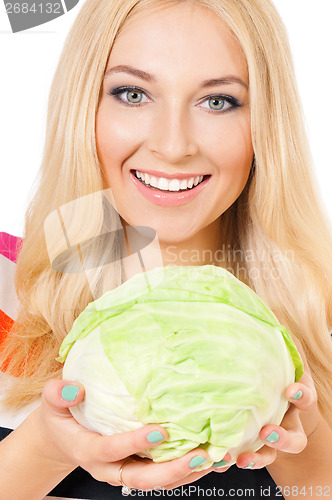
181, 38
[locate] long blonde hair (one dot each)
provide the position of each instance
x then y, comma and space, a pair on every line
277, 223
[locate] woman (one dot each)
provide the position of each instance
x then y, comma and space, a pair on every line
185, 89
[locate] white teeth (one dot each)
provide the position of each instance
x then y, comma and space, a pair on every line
162, 184
174, 185
191, 182
168, 184
154, 181
183, 184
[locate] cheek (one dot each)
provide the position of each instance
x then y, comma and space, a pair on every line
230, 149
116, 138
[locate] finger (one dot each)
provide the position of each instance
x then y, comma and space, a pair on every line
290, 438
146, 474
191, 478
302, 396
122, 445
257, 460
221, 465
59, 395
106, 471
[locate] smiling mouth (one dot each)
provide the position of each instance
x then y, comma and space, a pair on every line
167, 190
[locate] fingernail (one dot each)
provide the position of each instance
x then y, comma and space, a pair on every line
249, 466
222, 463
196, 461
69, 392
273, 437
154, 437
298, 395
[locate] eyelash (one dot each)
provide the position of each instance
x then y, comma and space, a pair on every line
116, 93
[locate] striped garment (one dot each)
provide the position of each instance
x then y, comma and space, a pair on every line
79, 484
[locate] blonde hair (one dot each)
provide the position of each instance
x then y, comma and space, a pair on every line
277, 219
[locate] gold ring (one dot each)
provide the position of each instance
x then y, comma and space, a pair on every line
125, 489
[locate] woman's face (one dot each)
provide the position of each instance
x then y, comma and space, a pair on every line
175, 102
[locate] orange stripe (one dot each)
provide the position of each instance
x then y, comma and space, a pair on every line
6, 324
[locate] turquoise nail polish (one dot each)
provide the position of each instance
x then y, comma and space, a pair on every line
222, 463
196, 461
69, 392
273, 437
298, 395
249, 466
154, 437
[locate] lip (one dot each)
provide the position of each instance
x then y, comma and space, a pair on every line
168, 198
178, 175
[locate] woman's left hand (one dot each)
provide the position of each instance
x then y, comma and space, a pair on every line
289, 437
299, 422
292, 434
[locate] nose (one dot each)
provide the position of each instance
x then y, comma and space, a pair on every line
171, 138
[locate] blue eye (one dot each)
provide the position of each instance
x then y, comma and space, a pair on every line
134, 96
217, 103
129, 95
220, 103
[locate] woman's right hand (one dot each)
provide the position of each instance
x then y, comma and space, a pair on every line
65, 442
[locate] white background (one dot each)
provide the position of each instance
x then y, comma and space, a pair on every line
28, 61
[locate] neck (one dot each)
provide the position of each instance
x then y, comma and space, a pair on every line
203, 248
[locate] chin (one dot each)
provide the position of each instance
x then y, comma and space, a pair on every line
170, 237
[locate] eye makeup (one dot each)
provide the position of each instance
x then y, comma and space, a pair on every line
127, 90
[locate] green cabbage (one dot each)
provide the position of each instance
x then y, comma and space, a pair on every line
190, 348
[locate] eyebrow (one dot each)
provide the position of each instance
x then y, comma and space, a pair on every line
123, 68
